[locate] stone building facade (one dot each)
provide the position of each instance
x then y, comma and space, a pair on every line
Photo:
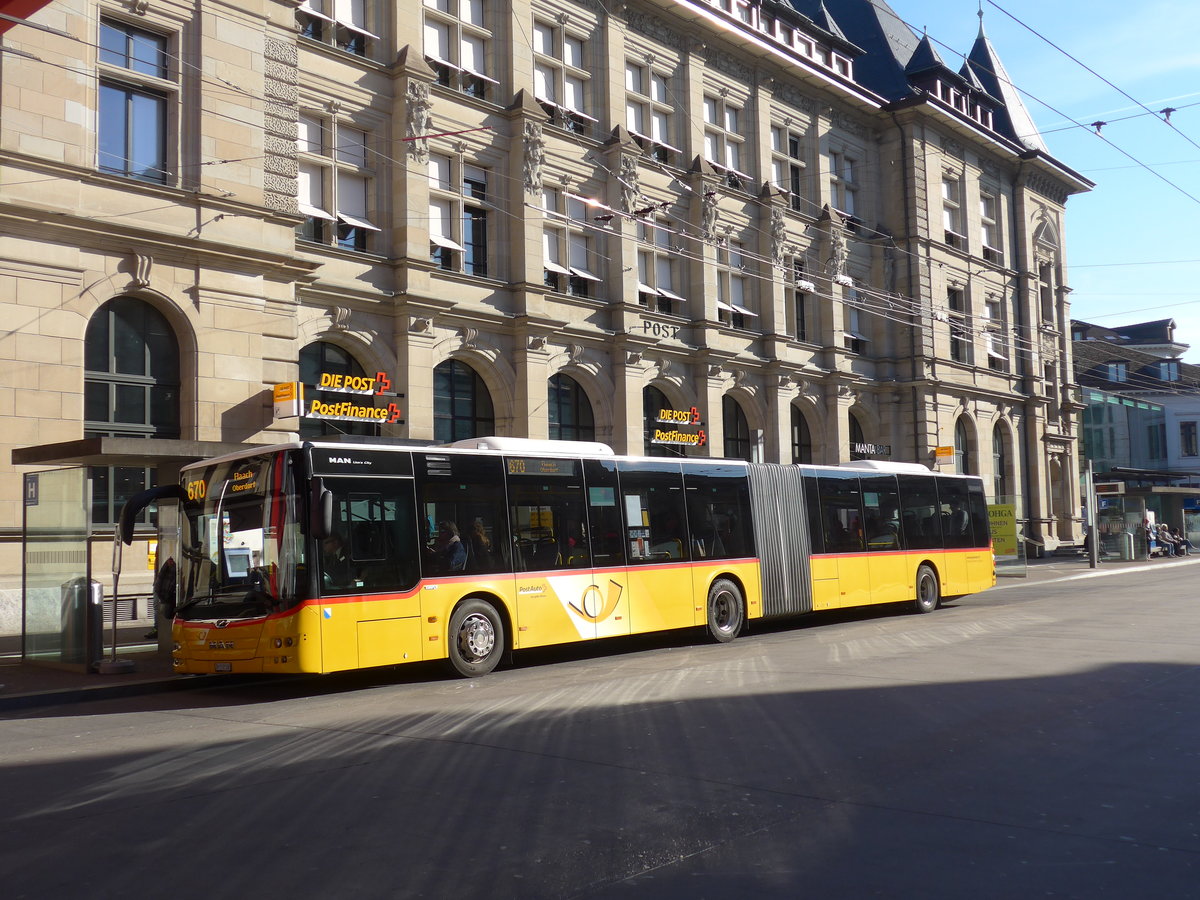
791, 224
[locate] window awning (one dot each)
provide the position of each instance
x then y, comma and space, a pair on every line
356, 222
442, 241
313, 212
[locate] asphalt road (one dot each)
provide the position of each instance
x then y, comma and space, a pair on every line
1041, 740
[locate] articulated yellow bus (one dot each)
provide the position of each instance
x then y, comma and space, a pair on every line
323, 556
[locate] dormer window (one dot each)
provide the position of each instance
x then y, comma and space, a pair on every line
1117, 371
1168, 370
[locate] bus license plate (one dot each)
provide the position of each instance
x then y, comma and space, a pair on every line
224, 667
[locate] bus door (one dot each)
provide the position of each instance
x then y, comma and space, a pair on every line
609, 598
557, 593
655, 537
882, 533
843, 532
956, 533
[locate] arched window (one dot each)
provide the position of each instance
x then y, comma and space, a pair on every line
462, 405
737, 430
570, 411
964, 462
131, 389
857, 440
322, 358
1000, 484
652, 401
801, 438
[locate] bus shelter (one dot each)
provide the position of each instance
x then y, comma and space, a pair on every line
62, 618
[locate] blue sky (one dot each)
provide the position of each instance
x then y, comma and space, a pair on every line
1133, 245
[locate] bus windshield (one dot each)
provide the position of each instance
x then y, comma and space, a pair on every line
242, 548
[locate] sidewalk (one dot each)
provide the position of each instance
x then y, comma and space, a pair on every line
24, 685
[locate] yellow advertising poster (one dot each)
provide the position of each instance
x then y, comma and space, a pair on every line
1003, 519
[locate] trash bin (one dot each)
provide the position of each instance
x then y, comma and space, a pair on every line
82, 621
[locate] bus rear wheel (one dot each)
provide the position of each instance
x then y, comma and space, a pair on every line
929, 594
476, 638
726, 611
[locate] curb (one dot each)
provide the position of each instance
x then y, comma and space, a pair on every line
1101, 572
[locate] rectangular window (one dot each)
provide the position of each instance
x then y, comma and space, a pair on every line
456, 45
803, 312
843, 183
339, 23
724, 141
136, 99
660, 285
734, 306
952, 213
561, 81
961, 342
649, 111
1188, 445
787, 165
335, 183
989, 227
458, 215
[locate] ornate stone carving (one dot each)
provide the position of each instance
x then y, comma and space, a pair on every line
420, 324
141, 264
631, 189
708, 214
656, 29
537, 342
535, 157
419, 115
723, 62
835, 266
339, 318
788, 94
575, 354
470, 338
778, 235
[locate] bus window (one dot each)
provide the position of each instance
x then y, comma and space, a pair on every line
881, 506
373, 545
955, 513
547, 506
980, 523
605, 532
812, 501
467, 493
841, 513
920, 514
718, 506
653, 509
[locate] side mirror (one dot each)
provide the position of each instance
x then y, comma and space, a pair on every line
321, 507
135, 504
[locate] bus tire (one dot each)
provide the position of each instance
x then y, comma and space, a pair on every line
476, 638
726, 611
929, 595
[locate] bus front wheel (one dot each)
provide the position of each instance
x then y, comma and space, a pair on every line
726, 611
928, 591
476, 638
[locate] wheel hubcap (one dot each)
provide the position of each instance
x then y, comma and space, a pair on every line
722, 611
476, 638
